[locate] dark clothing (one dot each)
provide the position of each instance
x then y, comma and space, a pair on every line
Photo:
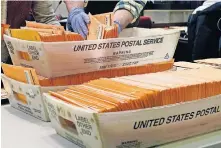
203, 33
18, 12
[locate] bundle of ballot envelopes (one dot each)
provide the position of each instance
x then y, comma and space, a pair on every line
143, 91
101, 26
29, 75
44, 33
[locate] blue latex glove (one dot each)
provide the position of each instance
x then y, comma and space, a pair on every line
78, 20
119, 26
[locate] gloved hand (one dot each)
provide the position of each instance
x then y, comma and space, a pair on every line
78, 21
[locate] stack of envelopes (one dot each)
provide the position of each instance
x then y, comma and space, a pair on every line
44, 32
212, 62
102, 27
28, 75
143, 91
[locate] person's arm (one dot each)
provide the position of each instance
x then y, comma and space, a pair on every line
44, 13
77, 19
127, 11
74, 4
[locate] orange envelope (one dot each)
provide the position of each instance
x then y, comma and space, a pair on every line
21, 74
105, 18
95, 28
71, 36
43, 26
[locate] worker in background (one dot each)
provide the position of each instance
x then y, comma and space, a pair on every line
126, 12
204, 33
15, 13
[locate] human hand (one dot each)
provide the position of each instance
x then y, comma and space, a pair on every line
78, 21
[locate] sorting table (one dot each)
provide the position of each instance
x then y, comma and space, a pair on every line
20, 130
